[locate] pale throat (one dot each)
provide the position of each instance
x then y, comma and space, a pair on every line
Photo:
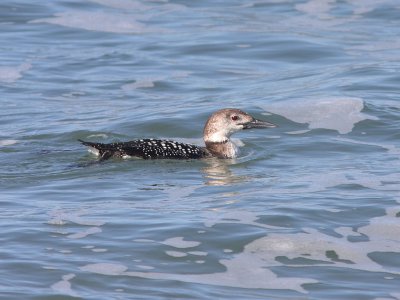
216, 138
220, 136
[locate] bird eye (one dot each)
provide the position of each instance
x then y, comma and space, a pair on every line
235, 118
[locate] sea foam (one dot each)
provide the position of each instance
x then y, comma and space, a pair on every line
336, 113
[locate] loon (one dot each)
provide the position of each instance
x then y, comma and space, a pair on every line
217, 131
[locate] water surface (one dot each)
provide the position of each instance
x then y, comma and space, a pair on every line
310, 210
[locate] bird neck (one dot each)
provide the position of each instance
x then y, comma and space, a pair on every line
222, 149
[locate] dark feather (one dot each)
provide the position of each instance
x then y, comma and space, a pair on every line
148, 149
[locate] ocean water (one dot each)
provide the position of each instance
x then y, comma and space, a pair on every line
309, 210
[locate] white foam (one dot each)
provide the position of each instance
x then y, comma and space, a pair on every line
145, 267
243, 46
384, 230
178, 242
198, 253
337, 113
99, 250
123, 4
64, 286
314, 183
97, 21
61, 217
318, 8
65, 251
314, 245
365, 6
383, 236
200, 261
395, 295
85, 233
105, 268
10, 74
244, 271
8, 142
250, 268
347, 231
176, 253
138, 6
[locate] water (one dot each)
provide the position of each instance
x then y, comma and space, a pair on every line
310, 210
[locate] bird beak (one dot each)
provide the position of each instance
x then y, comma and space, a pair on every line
258, 124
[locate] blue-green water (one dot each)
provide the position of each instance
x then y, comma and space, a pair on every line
310, 210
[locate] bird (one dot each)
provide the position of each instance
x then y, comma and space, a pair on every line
216, 134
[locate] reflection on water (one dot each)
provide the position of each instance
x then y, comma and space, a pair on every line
218, 172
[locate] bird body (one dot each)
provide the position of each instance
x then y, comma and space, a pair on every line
217, 131
147, 149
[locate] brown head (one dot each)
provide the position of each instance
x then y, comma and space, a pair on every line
223, 123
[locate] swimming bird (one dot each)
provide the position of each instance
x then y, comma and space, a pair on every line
216, 134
